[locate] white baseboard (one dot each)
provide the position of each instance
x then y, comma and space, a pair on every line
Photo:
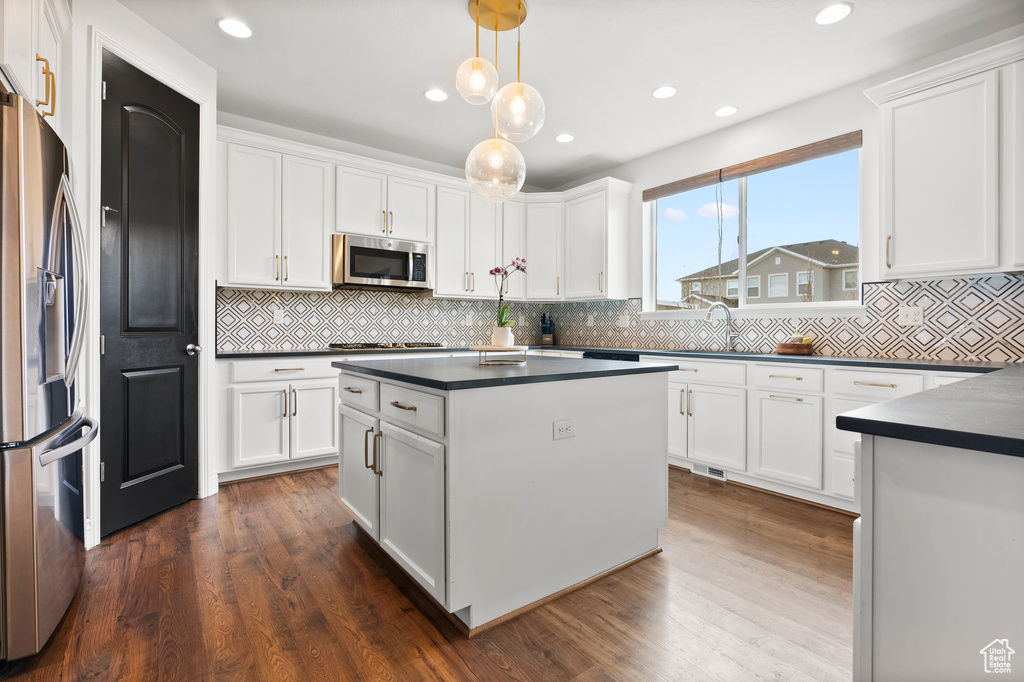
279, 468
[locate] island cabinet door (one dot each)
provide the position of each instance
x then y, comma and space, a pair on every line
412, 506
358, 483
717, 428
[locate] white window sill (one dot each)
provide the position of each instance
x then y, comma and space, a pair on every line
762, 311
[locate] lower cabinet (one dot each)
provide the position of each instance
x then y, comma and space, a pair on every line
708, 424
358, 484
787, 442
281, 421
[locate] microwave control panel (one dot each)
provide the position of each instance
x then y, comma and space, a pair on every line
419, 267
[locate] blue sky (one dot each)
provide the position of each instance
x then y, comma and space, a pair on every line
815, 200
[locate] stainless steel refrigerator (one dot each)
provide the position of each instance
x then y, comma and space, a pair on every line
42, 320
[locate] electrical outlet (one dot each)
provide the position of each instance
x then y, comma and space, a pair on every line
910, 316
564, 429
278, 315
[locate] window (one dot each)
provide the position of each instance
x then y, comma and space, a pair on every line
803, 280
778, 285
798, 222
754, 287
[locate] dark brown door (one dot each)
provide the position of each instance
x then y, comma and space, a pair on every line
148, 303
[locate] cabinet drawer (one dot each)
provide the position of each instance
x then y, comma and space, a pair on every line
285, 369
875, 385
707, 372
787, 377
358, 392
415, 408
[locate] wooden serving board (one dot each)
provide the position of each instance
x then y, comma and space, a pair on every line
794, 348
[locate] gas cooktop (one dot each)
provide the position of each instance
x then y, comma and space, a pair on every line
385, 346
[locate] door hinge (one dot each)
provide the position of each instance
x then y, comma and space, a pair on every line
104, 91
103, 344
103, 472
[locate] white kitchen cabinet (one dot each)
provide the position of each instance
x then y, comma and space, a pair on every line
595, 241
412, 506
358, 484
786, 438
717, 428
31, 29
949, 146
544, 251
280, 421
677, 420
513, 245
468, 244
377, 204
277, 219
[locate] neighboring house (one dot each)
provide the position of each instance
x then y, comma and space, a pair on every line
825, 270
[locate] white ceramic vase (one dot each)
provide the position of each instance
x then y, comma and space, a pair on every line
502, 337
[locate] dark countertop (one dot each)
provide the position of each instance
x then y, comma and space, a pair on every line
980, 413
453, 374
880, 363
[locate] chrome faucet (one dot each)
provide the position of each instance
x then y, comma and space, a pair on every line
730, 337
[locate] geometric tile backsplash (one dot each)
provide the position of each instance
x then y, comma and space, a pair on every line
966, 318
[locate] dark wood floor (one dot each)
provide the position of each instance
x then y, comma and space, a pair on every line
269, 580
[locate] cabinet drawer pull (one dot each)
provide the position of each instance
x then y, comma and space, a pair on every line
687, 369
376, 455
779, 376
689, 412
285, 392
349, 389
782, 397
871, 383
290, 369
407, 408
366, 449
295, 403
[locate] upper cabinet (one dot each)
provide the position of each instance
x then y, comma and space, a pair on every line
544, 251
278, 219
30, 52
513, 245
951, 148
378, 204
596, 250
468, 244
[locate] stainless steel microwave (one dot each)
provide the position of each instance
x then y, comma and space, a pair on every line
381, 261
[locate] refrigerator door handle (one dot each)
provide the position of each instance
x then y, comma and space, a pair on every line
80, 263
52, 455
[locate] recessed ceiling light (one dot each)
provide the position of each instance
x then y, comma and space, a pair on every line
233, 27
564, 137
436, 95
725, 111
837, 11
663, 92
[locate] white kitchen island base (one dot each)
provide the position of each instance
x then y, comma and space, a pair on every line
523, 515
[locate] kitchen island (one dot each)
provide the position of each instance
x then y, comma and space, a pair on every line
939, 548
496, 487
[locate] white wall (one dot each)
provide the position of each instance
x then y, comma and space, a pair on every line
834, 113
107, 23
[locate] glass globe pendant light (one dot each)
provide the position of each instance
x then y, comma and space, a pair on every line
518, 109
495, 170
477, 79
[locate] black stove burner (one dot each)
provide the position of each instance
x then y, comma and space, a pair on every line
384, 346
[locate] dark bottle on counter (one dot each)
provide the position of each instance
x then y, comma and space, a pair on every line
547, 330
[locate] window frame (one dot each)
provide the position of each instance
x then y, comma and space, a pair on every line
856, 285
747, 288
807, 283
735, 295
778, 274
695, 287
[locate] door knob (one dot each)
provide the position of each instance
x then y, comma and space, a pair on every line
193, 349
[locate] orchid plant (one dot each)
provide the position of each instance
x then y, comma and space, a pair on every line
501, 275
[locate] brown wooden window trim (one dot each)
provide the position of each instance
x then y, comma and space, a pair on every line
808, 152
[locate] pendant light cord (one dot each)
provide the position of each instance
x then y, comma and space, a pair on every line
477, 29
519, 37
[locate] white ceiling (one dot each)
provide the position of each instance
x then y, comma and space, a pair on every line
356, 69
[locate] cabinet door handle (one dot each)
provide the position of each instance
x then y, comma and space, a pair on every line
407, 408
357, 391
473, 275
290, 369
376, 455
782, 397
295, 403
888, 238
385, 216
871, 383
558, 286
779, 376
366, 449
689, 411
600, 282
277, 267
285, 392
286, 268
392, 230
465, 283
681, 411
51, 88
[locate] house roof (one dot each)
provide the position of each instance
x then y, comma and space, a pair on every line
821, 251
